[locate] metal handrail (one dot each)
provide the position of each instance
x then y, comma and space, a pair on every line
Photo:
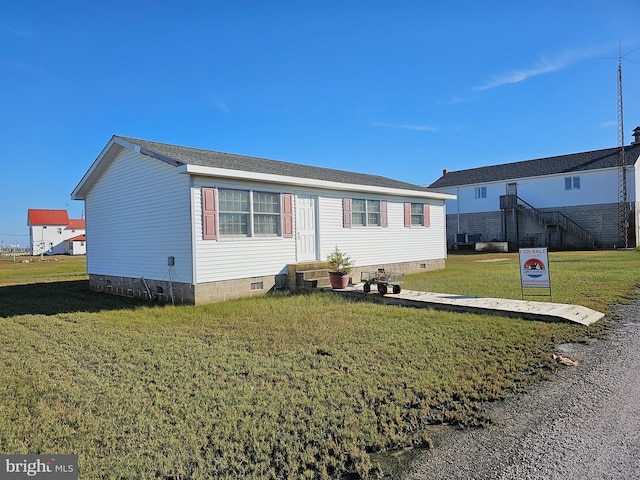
508, 202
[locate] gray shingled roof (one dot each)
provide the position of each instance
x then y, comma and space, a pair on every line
208, 158
575, 162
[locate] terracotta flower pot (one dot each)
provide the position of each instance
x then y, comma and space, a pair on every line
338, 280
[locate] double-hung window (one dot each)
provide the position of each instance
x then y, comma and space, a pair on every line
365, 213
266, 214
417, 214
234, 212
247, 213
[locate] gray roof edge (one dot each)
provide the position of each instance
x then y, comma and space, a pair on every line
310, 171
466, 176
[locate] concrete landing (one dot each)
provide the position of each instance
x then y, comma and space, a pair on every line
546, 311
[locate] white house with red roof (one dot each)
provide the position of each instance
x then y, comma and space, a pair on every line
52, 232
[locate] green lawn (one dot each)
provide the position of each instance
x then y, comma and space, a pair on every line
284, 386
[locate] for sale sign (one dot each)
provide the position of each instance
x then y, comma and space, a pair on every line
534, 268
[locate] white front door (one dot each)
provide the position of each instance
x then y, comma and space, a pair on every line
306, 228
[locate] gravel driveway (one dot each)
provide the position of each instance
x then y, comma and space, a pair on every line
585, 423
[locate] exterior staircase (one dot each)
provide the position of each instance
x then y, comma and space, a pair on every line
548, 219
307, 276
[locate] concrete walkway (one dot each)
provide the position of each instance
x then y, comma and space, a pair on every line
545, 311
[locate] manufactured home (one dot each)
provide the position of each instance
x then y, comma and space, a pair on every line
195, 226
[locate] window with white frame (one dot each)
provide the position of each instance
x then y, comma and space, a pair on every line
234, 212
417, 214
481, 192
572, 183
245, 213
266, 214
365, 213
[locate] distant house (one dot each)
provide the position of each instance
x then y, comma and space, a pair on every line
202, 226
51, 230
568, 201
77, 245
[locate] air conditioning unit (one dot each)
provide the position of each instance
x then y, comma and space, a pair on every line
466, 237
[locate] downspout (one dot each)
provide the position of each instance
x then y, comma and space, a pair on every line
193, 237
458, 204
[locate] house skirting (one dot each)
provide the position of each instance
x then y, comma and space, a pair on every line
185, 293
238, 288
145, 289
401, 267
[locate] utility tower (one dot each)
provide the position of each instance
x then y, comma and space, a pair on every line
623, 209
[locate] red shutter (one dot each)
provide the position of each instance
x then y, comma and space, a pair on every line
407, 214
209, 217
383, 214
287, 215
427, 215
346, 212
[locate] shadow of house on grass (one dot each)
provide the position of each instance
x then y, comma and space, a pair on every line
52, 298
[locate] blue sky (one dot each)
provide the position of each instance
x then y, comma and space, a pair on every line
396, 88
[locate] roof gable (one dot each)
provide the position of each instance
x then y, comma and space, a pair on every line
572, 163
47, 217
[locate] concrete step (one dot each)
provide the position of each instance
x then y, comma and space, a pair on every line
312, 278
313, 274
311, 266
308, 275
315, 283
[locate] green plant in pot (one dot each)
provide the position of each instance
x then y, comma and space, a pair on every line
339, 267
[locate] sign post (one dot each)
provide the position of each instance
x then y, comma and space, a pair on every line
534, 270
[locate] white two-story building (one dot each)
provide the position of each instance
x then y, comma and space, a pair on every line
568, 201
52, 232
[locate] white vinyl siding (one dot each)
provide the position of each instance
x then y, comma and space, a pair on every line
596, 187
240, 257
137, 215
395, 243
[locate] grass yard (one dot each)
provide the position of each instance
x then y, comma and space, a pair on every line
283, 386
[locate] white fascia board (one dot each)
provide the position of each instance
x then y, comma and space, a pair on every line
307, 182
99, 165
